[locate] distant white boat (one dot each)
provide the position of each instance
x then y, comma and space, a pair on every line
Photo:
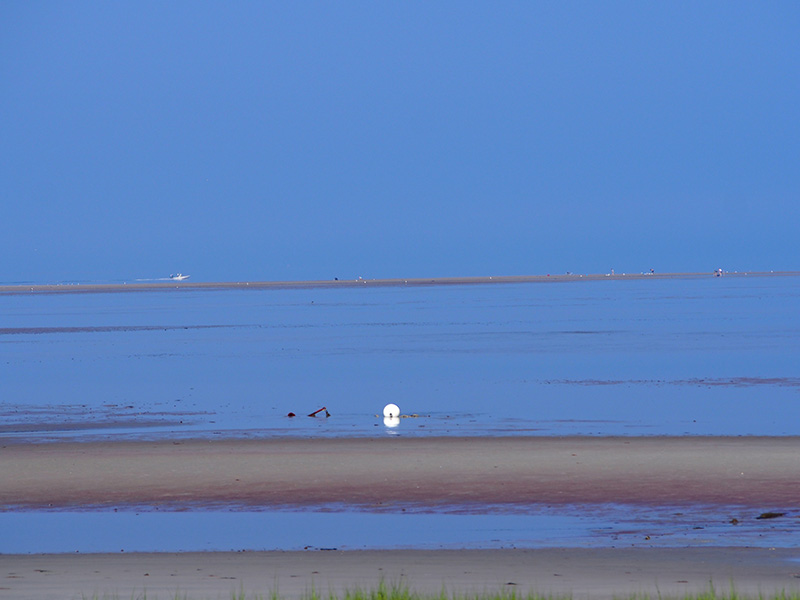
179, 277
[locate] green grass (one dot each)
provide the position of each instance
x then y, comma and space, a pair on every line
402, 592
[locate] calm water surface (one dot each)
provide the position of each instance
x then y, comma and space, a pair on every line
713, 356
647, 357
577, 527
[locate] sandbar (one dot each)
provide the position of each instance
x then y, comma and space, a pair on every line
470, 472
75, 288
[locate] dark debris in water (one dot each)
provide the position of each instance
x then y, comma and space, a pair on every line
770, 515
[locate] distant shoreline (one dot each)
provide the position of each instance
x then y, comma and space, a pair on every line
69, 288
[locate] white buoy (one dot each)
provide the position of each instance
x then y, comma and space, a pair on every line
391, 410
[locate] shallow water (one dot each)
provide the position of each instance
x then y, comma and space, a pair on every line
646, 357
575, 527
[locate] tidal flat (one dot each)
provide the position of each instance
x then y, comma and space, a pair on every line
619, 416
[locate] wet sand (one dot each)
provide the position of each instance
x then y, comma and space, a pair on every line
579, 573
65, 288
472, 473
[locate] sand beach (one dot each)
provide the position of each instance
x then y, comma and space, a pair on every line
560, 572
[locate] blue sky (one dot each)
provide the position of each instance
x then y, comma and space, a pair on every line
312, 140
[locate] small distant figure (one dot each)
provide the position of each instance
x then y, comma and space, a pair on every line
612, 271
652, 271
718, 272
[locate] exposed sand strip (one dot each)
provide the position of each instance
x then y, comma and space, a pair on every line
582, 573
752, 471
351, 283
